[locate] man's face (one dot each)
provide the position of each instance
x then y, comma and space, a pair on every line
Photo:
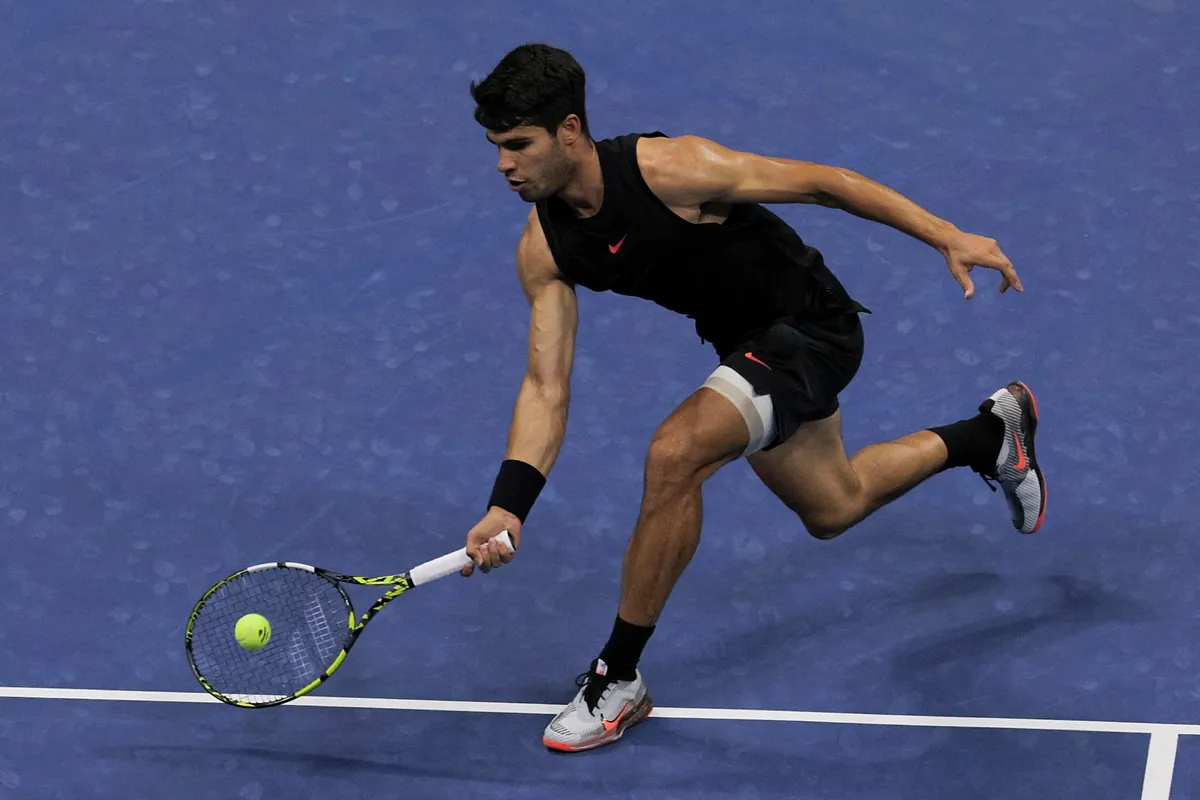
534, 162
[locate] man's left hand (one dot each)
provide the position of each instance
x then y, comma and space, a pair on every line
965, 251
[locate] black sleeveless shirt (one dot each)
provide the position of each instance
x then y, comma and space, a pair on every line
732, 278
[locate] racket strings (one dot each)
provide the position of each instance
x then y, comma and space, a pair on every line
325, 640
309, 619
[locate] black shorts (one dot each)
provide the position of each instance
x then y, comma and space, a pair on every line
803, 365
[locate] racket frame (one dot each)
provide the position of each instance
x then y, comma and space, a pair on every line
419, 575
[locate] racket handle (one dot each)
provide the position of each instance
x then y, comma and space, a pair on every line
450, 563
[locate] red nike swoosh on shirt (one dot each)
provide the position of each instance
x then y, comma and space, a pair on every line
613, 248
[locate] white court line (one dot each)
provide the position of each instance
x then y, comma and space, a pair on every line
1163, 735
1160, 766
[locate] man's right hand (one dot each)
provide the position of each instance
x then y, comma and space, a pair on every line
485, 553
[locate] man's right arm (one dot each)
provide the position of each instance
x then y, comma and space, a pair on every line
539, 421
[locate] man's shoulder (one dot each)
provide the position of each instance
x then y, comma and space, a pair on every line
628, 141
535, 258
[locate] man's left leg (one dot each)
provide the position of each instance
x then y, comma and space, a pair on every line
831, 492
703, 434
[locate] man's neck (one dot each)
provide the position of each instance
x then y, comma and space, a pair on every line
584, 193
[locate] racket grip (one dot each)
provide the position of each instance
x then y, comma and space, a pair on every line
449, 563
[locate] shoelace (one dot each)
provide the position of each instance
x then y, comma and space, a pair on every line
991, 479
596, 685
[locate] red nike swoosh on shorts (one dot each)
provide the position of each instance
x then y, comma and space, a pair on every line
755, 360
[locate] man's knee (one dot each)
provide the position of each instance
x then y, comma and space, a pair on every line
830, 521
825, 529
683, 451
674, 453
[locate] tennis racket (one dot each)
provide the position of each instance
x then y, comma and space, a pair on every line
312, 626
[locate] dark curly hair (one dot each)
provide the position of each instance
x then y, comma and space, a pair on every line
535, 84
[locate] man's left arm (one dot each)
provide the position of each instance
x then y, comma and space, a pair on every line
694, 171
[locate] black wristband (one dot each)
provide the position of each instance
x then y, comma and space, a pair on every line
517, 487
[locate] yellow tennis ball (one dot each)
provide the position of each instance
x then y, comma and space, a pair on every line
253, 632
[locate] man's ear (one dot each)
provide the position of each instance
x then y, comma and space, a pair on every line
570, 129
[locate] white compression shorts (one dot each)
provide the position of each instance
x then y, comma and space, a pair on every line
756, 409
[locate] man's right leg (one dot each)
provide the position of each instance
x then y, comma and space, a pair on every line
702, 435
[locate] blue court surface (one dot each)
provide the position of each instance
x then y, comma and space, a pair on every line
257, 302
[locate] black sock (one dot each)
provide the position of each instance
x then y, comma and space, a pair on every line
624, 649
973, 442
